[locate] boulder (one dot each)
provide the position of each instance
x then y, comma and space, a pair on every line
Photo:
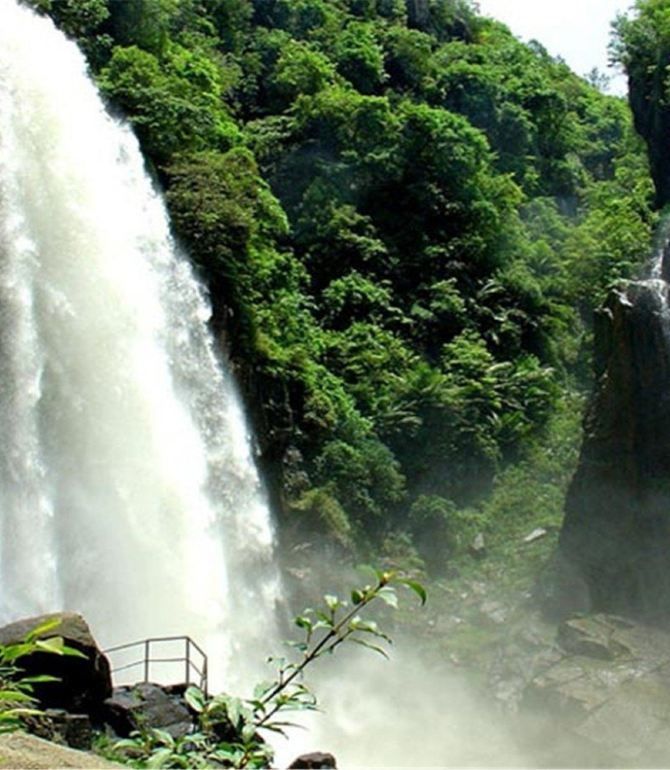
84, 682
477, 547
316, 759
594, 637
535, 535
148, 705
18, 750
58, 726
614, 548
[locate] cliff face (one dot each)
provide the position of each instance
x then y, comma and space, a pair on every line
615, 543
652, 122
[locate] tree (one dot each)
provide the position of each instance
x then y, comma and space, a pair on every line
174, 103
360, 58
642, 46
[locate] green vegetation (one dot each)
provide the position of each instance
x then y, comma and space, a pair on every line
642, 47
405, 218
229, 729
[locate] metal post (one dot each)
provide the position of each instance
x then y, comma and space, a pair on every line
188, 660
147, 652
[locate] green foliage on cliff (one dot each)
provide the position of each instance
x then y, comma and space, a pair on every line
642, 46
405, 218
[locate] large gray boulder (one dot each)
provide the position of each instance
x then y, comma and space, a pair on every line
84, 682
614, 552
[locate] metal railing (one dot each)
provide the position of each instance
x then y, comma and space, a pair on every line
147, 661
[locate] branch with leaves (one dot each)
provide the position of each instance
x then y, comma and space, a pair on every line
229, 729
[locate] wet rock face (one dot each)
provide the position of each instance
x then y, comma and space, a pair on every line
614, 551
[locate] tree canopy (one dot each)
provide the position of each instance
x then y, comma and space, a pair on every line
405, 217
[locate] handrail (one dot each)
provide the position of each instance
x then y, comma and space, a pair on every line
147, 660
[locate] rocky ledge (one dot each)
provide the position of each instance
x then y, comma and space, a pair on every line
595, 694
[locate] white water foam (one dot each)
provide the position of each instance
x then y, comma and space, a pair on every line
128, 490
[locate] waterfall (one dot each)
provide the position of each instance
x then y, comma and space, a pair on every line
128, 490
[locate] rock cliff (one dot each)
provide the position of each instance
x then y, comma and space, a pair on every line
615, 543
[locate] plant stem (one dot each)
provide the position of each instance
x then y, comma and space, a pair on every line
334, 636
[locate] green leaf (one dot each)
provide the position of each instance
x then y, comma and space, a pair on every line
388, 595
125, 743
39, 679
262, 688
322, 624
163, 737
300, 646
328, 621
302, 622
73, 653
418, 589
234, 708
20, 712
368, 627
55, 645
357, 597
274, 728
370, 646
15, 696
13, 652
270, 725
159, 758
43, 628
195, 698
226, 753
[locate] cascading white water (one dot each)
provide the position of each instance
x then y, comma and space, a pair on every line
128, 490
657, 282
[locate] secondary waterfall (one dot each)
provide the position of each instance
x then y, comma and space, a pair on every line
128, 490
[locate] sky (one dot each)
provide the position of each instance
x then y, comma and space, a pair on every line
577, 30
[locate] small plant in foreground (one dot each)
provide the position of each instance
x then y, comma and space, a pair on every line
17, 702
228, 732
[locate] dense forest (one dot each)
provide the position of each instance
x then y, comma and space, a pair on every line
405, 218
